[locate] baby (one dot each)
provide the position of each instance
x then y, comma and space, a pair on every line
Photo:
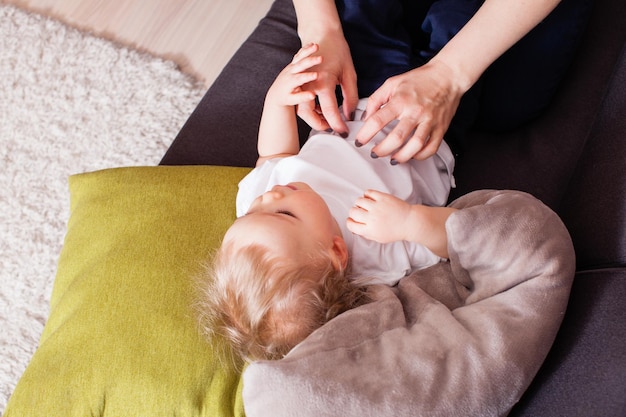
317, 225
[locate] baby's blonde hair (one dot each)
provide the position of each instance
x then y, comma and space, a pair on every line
263, 306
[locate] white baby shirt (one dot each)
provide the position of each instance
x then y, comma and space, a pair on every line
340, 172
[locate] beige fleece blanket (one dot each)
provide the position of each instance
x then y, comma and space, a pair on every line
462, 338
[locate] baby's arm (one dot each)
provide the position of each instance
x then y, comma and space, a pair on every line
384, 218
278, 132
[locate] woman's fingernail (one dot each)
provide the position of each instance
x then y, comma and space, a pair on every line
393, 162
373, 155
329, 130
363, 115
352, 116
357, 143
343, 134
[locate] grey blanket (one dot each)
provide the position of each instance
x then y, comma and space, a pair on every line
462, 338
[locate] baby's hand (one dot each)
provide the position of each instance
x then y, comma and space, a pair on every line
380, 217
286, 90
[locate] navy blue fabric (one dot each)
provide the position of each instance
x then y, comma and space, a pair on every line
443, 20
521, 84
379, 41
390, 37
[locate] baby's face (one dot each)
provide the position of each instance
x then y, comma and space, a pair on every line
289, 218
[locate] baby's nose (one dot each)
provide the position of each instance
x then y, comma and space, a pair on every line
272, 195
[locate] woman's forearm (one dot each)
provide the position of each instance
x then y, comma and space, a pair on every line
495, 27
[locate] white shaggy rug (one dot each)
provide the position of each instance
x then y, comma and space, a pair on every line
69, 103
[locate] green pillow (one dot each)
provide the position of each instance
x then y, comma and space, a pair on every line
121, 339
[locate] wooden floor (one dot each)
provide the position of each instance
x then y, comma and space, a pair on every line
200, 35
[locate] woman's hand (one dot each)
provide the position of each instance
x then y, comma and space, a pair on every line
336, 69
424, 101
318, 22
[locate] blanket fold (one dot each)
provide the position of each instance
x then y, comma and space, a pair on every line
464, 337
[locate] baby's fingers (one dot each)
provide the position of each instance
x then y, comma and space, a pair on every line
356, 227
358, 214
296, 94
374, 195
301, 78
299, 97
305, 64
306, 50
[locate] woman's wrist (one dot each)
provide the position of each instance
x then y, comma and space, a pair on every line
317, 20
454, 74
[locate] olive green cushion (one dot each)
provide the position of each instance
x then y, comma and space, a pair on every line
121, 339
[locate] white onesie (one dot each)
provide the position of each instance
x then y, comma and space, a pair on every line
340, 172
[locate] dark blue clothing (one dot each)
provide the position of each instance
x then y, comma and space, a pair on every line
390, 37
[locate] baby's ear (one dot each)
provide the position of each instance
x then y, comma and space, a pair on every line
339, 253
